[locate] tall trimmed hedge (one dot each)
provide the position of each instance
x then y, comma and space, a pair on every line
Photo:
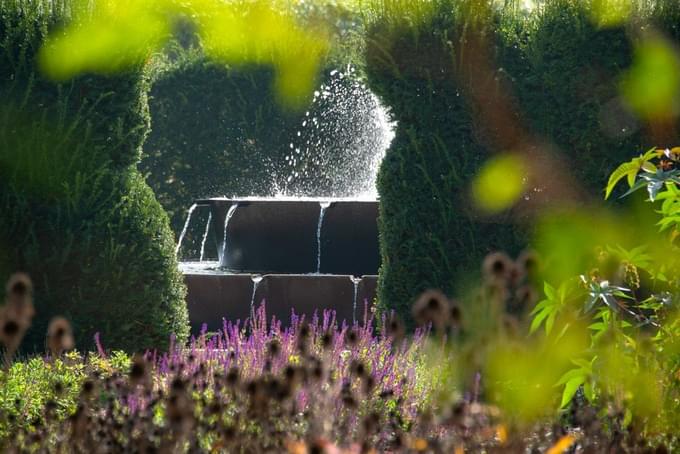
76, 214
215, 131
563, 72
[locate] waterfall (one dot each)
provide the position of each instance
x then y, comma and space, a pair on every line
230, 213
322, 212
205, 236
256, 278
355, 281
184, 230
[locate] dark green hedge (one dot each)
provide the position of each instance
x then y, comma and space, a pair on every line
76, 214
563, 73
215, 131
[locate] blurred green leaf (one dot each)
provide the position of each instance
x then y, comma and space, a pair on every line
500, 183
652, 86
109, 36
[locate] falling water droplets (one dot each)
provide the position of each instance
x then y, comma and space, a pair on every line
184, 229
341, 141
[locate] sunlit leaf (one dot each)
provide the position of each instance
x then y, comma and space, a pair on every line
109, 36
570, 388
629, 170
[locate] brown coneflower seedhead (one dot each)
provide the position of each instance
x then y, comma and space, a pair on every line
497, 266
140, 373
432, 308
19, 297
455, 314
179, 411
528, 264
12, 330
274, 348
327, 339
19, 285
395, 328
351, 338
357, 368
59, 336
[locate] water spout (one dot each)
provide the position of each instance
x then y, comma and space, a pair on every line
184, 230
322, 211
230, 213
205, 236
256, 278
341, 141
355, 280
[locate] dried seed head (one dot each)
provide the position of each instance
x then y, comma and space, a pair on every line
274, 348
304, 330
352, 337
88, 388
368, 384
59, 336
19, 298
317, 447
357, 368
177, 385
58, 388
528, 264
432, 308
232, 376
19, 285
179, 411
12, 329
140, 373
395, 328
497, 266
327, 339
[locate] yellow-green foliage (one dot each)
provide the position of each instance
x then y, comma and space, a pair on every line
27, 386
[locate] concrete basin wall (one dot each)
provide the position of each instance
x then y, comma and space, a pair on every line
280, 236
214, 297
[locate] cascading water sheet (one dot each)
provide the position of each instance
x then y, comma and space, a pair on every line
184, 230
322, 212
227, 218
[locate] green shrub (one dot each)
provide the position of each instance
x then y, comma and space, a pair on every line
76, 214
564, 76
215, 131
